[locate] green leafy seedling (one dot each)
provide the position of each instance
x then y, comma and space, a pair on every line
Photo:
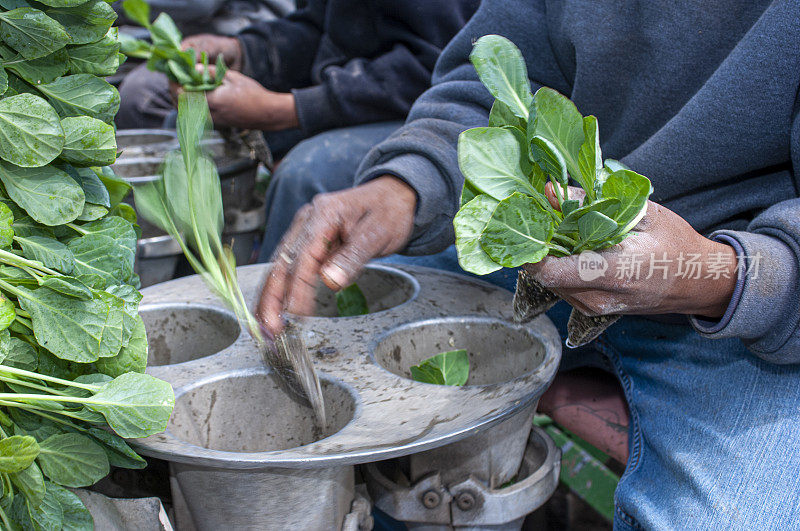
165, 54
505, 220
446, 368
351, 302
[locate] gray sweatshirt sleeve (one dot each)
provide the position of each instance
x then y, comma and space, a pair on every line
423, 152
765, 309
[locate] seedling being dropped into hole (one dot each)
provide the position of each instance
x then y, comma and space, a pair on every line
505, 219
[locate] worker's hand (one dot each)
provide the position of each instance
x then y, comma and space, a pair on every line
332, 238
244, 103
215, 45
663, 266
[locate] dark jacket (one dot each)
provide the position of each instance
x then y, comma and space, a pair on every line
700, 96
350, 62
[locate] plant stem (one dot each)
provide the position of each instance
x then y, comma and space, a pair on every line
45, 378
560, 249
78, 229
4, 518
12, 259
32, 385
565, 239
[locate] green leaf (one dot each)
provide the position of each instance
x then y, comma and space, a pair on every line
469, 224
3, 80
165, 33
26, 226
70, 328
518, 232
7, 312
76, 517
17, 453
607, 207
30, 131
32, 33
100, 256
118, 229
30, 482
491, 160
88, 142
559, 122
67, 286
550, 159
501, 68
36, 71
501, 116
21, 355
47, 194
351, 301
135, 405
590, 158
99, 58
118, 189
595, 227
117, 450
132, 357
52, 253
447, 368
632, 190
93, 188
6, 226
88, 22
48, 514
73, 460
82, 95
138, 11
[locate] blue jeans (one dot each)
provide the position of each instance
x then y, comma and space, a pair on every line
715, 431
323, 163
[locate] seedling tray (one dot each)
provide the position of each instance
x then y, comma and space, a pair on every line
232, 412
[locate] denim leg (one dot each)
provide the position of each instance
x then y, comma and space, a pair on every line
447, 260
714, 431
323, 163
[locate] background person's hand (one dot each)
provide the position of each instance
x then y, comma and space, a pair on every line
243, 102
215, 45
662, 244
332, 238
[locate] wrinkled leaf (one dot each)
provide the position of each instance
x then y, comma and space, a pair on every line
30, 131
447, 368
17, 453
47, 194
88, 142
72, 460
469, 224
518, 232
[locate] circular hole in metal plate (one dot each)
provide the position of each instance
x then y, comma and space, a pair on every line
181, 332
143, 140
498, 351
382, 287
253, 413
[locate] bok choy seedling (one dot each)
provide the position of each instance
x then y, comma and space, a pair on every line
446, 368
73, 348
505, 219
187, 204
165, 54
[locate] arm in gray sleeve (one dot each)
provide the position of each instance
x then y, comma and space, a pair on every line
423, 152
765, 309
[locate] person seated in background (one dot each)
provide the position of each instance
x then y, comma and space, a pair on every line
337, 76
702, 98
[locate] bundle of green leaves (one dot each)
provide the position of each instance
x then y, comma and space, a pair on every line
72, 345
164, 53
505, 219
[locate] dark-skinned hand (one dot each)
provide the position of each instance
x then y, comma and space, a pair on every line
331, 239
661, 235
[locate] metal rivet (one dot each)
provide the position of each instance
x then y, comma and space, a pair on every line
431, 499
465, 501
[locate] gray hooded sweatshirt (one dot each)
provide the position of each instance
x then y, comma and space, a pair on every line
700, 96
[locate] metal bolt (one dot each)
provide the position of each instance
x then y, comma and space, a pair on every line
465, 501
431, 499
